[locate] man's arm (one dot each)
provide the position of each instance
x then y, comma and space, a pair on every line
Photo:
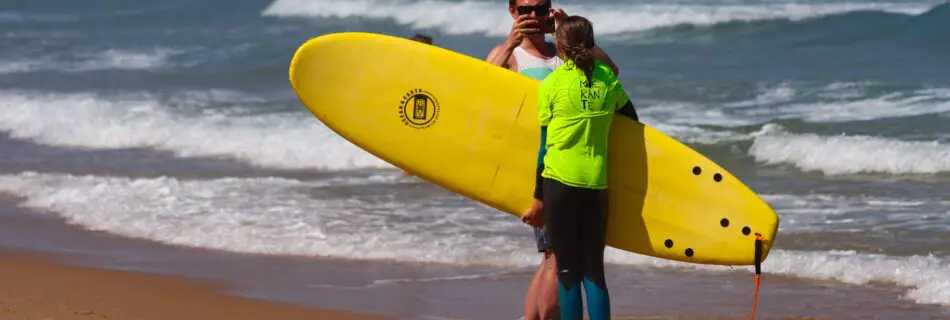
602, 56
500, 55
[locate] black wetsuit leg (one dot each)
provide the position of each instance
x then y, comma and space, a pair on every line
576, 219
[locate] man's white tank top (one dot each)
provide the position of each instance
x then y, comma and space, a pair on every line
535, 67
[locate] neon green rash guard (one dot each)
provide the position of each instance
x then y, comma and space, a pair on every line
578, 122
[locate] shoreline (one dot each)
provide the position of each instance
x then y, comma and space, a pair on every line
314, 287
44, 285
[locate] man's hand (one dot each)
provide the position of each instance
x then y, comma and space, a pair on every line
501, 54
524, 25
534, 216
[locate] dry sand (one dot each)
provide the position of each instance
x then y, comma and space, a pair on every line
33, 287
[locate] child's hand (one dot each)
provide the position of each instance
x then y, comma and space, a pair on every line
559, 16
534, 216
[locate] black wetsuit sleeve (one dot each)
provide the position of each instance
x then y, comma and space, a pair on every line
538, 182
629, 111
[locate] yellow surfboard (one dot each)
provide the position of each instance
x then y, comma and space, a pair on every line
472, 128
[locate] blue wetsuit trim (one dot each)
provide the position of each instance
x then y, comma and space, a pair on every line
598, 299
542, 150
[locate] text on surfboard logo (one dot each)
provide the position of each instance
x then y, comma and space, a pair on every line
418, 109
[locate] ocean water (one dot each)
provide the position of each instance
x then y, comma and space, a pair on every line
173, 121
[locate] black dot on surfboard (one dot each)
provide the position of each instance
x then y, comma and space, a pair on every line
717, 177
746, 230
724, 222
689, 252
697, 170
668, 243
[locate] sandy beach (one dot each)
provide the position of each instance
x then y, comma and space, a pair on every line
35, 288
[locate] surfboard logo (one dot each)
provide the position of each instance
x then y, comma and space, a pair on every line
418, 109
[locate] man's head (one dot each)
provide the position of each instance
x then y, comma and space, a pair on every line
539, 9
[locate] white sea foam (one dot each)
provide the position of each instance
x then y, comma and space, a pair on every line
780, 93
858, 213
282, 216
273, 140
836, 102
492, 18
849, 154
694, 134
20, 17
112, 59
927, 278
90, 121
894, 104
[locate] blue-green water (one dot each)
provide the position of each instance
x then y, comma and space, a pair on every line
174, 121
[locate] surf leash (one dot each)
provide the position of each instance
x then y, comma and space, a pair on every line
758, 270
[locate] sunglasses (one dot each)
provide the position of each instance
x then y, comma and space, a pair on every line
540, 10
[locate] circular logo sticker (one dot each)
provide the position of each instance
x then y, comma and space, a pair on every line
418, 109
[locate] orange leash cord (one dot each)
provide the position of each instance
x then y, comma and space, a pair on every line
758, 271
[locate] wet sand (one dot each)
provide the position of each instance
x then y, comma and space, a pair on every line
51, 269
